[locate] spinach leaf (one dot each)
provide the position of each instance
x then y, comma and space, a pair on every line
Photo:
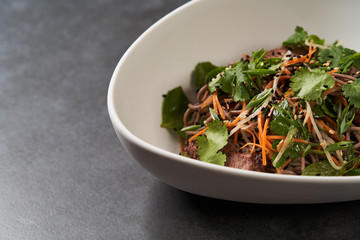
200, 72
322, 168
174, 106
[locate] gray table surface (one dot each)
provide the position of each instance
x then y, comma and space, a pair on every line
63, 172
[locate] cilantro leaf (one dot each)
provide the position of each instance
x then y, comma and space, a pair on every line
333, 54
209, 146
352, 92
233, 82
322, 168
316, 39
310, 85
298, 38
174, 106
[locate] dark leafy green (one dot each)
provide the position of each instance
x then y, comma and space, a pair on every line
322, 168
174, 106
200, 72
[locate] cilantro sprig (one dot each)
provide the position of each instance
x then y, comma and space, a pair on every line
310, 85
215, 139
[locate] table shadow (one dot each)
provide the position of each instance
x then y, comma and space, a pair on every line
175, 214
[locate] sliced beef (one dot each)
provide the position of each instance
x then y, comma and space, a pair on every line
246, 161
235, 157
190, 148
279, 52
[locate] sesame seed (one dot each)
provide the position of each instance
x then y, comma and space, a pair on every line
164, 95
325, 86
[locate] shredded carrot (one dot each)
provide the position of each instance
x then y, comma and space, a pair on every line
333, 71
218, 106
288, 94
205, 103
305, 58
287, 71
273, 137
197, 134
284, 77
270, 84
299, 140
269, 146
181, 145
343, 100
215, 106
312, 50
260, 120
335, 161
277, 137
237, 119
247, 57
254, 139
331, 132
254, 145
279, 170
236, 136
263, 140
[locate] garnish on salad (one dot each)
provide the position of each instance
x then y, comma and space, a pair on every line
290, 110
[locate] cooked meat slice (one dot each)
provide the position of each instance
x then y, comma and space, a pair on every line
190, 148
245, 161
279, 52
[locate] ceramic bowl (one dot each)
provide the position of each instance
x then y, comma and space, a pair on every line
164, 56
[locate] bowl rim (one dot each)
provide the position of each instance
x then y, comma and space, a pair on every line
121, 128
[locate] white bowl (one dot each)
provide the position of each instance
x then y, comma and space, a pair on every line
218, 31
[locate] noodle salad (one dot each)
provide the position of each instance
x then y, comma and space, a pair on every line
290, 110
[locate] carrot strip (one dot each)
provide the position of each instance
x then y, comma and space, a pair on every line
254, 139
273, 137
205, 103
288, 94
236, 136
279, 170
181, 145
333, 71
218, 105
335, 161
332, 132
287, 71
215, 104
254, 144
343, 100
270, 84
263, 140
197, 134
238, 118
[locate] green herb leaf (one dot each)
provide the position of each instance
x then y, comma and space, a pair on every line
209, 146
322, 168
352, 92
310, 85
316, 39
259, 99
333, 54
345, 121
339, 146
298, 38
200, 72
174, 106
234, 81
353, 172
